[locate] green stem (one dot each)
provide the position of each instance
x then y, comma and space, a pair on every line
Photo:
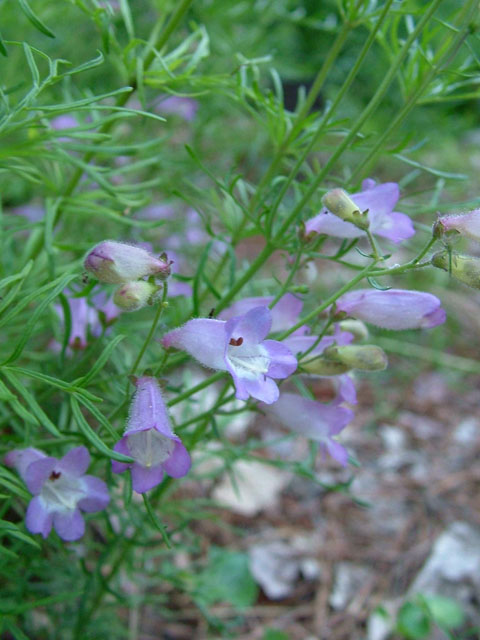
442, 57
180, 11
160, 308
331, 110
202, 385
329, 301
365, 115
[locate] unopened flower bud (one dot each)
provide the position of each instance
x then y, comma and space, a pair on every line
116, 262
339, 203
463, 268
467, 224
356, 327
323, 367
135, 295
365, 357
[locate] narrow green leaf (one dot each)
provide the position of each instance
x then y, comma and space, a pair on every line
127, 18
3, 50
18, 276
32, 65
30, 326
11, 529
98, 415
100, 363
33, 405
92, 437
16, 405
154, 520
25, 7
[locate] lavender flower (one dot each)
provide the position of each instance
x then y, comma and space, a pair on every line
61, 490
467, 224
384, 221
393, 309
284, 313
150, 441
82, 317
317, 421
186, 108
238, 346
116, 263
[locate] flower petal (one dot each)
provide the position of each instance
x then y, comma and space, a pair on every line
37, 472
203, 338
379, 200
284, 313
69, 525
329, 224
283, 362
179, 463
252, 327
144, 479
264, 390
396, 227
337, 451
97, 496
38, 519
75, 462
121, 447
22, 458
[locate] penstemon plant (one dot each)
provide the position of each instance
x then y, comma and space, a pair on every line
179, 248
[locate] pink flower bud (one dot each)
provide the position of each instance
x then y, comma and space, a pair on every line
467, 225
116, 263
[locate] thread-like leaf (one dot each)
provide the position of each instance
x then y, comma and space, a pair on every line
35, 20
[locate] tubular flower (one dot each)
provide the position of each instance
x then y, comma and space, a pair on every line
317, 421
60, 489
379, 200
466, 224
116, 263
150, 441
393, 309
238, 346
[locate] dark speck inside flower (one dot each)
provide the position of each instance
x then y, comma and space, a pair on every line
236, 342
55, 475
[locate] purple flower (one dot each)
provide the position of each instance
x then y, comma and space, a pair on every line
467, 224
61, 490
33, 212
150, 441
393, 309
238, 346
65, 121
116, 263
186, 108
384, 221
284, 313
82, 317
317, 421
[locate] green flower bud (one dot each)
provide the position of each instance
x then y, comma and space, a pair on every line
323, 367
463, 268
356, 327
339, 203
367, 357
135, 295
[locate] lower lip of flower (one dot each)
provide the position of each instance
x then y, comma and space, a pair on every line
150, 448
248, 361
62, 492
